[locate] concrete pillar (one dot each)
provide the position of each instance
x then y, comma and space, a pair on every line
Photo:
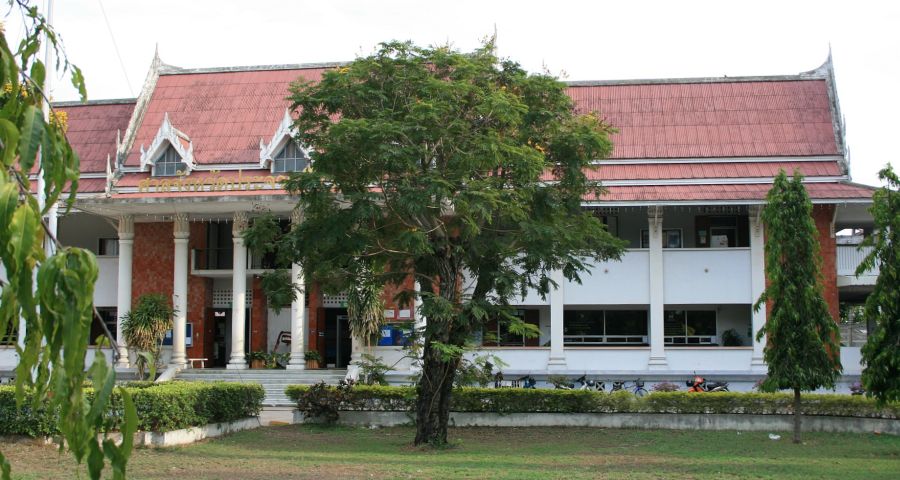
657, 297
182, 232
299, 318
238, 360
123, 289
757, 286
557, 360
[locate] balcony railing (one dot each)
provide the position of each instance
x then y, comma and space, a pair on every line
576, 340
223, 259
849, 257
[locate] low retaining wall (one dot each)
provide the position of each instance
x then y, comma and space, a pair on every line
190, 435
665, 421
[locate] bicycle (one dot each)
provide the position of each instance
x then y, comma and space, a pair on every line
636, 388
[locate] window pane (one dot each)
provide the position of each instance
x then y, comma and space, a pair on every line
701, 323
626, 322
673, 323
583, 322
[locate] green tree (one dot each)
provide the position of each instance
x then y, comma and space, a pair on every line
144, 328
803, 349
459, 169
55, 305
881, 353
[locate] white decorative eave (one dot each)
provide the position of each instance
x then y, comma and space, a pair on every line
168, 135
284, 134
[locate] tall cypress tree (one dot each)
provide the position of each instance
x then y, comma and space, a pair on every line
881, 353
803, 349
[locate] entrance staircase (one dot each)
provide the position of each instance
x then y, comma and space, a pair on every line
273, 381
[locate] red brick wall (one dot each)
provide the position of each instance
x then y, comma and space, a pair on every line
153, 271
199, 300
823, 216
314, 342
153, 264
259, 322
391, 291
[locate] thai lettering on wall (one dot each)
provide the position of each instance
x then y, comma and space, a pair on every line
215, 182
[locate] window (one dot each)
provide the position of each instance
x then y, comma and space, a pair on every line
498, 334
671, 238
108, 247
169, 164
690, 327
108, 317
290, 159
722, 231
605, 327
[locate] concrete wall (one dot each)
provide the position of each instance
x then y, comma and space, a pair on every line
626, 282
707, 275
84, 230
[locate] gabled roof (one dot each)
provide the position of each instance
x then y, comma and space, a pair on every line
93, 127
727, 118
225, 113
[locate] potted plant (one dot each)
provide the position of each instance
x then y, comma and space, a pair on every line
257, 359
313, 359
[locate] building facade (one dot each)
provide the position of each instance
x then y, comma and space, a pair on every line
170, 180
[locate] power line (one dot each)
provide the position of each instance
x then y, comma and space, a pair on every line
116, 47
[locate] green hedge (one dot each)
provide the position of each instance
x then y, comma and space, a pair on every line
160, 407
520, 400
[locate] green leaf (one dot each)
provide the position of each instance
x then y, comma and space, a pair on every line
32, 135
9, 135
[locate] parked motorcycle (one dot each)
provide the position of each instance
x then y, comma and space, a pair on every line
527, 382
700, 384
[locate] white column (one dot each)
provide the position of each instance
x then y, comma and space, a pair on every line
299, 322
238, 293
657, 298
557, 360
123, 289
179, 296
757, 285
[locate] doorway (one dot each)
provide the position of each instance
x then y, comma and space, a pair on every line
337, 338
221, 338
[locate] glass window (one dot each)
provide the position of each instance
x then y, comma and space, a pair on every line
169, 164
108, 317
689, 327
290, 159
583, 322
626, 322
108, 247
671, 238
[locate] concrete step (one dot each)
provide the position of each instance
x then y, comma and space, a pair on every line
274, 382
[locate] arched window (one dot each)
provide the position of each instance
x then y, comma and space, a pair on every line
291, 158
169, 163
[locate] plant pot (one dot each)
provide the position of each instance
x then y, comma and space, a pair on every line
257, 364
312, 364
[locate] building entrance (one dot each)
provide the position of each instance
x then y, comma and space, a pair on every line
221, 338
337, 338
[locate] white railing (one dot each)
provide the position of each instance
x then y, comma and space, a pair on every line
848, 258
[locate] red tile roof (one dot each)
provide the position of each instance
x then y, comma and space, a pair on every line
225, 114
727, 119
704, 170
92, 131
757, 191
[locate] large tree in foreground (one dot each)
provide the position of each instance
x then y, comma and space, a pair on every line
881, 353
460, 169
803, 349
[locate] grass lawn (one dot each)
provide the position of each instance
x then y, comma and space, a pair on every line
323, 453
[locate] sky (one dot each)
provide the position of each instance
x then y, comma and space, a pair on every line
598, 40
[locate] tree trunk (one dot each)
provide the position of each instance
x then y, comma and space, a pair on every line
433, 403
796, 415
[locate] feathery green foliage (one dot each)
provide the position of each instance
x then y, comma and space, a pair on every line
451, 167
145, 326
803, 348
365, 304
881, 353
56, 307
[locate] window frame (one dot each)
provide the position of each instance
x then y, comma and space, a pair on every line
686, 339
164, 162
645, 235
604, 338
297, 165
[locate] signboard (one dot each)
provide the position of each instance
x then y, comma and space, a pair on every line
188, 335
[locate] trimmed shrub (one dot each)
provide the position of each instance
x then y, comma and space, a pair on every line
515, 400
160, 407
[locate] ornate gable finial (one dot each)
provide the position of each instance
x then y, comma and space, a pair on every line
168, 135
109, 177
283, 134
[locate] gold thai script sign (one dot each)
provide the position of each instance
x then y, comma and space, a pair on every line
214, 182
